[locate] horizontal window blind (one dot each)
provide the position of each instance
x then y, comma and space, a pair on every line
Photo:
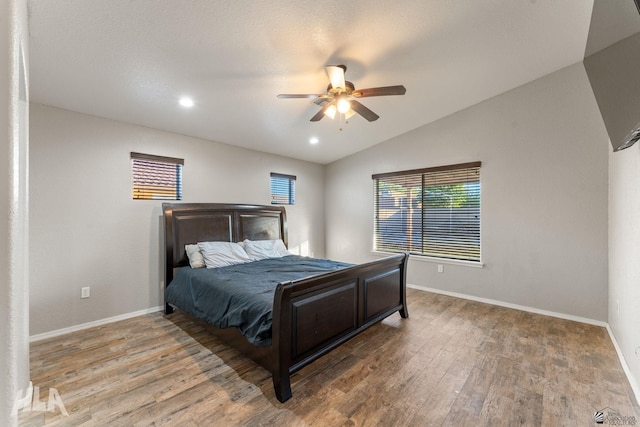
283, 189
433, 211
156, 177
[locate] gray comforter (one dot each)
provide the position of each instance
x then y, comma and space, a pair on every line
241, 295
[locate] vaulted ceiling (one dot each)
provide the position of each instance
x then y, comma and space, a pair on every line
131, 60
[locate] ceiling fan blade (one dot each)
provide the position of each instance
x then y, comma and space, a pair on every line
380, 91
336, 75
320, 114
363, 111
298, 95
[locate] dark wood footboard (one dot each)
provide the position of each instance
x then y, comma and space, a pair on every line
312, 316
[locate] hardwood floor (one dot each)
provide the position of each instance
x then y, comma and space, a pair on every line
453, 362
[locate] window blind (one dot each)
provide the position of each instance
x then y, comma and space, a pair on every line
283, 189
156, 177
433, 211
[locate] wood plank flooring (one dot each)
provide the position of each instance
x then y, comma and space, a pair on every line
453, 362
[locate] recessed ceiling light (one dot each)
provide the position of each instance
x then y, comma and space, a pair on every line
185, 101
314, 140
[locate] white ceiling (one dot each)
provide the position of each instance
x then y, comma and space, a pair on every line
130, 60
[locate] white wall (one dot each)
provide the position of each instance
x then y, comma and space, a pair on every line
624, 255
543, 149
87, 231
14, 303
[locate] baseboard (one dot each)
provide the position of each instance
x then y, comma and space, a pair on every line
625, 366
63, 331
514, 306
623, 362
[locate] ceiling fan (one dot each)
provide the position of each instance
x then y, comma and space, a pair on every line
342, 97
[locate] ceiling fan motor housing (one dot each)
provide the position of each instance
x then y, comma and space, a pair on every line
348, 89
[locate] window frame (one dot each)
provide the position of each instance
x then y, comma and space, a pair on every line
460, 246
159, 168
291, 190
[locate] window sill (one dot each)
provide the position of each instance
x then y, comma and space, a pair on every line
433, 260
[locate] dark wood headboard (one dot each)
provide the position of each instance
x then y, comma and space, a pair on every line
190, 223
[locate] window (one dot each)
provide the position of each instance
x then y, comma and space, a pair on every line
283, 189
156, 177
433, 212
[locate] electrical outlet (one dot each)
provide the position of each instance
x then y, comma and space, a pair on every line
440, 268
618, 307
85, 292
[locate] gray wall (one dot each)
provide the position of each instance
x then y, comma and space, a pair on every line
543, 149
14, 303
614, 77
87, 231
624, 256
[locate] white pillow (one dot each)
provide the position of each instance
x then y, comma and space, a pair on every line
261, 249
221, 254
195, 256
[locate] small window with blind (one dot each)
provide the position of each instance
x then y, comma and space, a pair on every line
433, 212
283, 189
156, 177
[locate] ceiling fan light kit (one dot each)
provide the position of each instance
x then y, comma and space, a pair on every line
343, 105
330, 111
341, 96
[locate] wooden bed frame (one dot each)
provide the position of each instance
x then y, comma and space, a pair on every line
311, 316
